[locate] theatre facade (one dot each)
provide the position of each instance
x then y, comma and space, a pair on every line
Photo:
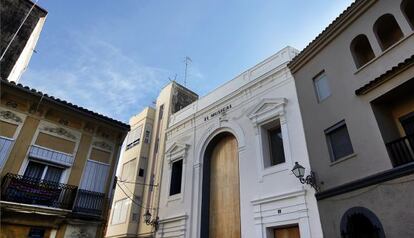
229, 158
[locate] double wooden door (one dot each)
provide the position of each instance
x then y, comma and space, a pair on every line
289, 232
224, 220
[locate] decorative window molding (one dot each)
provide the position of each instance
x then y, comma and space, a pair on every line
103, 145
60, 131
264, 112
268, 109
9, 116
176, 152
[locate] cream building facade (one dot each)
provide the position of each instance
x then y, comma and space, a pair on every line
133, 200
125, 214
228, 160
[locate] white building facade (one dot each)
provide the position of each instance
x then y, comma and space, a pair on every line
258, 110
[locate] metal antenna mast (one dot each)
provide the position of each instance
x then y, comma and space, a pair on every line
187, 61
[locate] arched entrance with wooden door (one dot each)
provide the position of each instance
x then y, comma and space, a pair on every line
221, 189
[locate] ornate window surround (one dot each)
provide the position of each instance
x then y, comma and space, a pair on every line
265, 111
177, 151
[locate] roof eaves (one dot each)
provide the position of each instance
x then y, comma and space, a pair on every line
385, 76
67, 104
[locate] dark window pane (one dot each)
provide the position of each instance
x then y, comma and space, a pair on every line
53, 174
176, 176
141, 173
340, 142
34, 170
277, 155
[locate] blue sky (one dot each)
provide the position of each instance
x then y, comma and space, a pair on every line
113, 56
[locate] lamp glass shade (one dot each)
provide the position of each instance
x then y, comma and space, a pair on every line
298, 170
147, 216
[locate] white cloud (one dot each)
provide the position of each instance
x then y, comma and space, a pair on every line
100, 78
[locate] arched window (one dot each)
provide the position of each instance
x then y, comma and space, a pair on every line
407, 7
361, 50
359, 222
387, 31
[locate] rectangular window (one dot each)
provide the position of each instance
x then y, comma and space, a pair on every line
176, 177
41, 171
338, 140
147, 138
134, 137
161, 112
141, 172
119, 214
272, 140
128, 170
321, 85
277, 154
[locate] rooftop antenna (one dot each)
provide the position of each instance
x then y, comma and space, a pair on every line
173, 80
187, 61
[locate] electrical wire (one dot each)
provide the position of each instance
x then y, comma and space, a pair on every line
145, 184
135, 202
18, 29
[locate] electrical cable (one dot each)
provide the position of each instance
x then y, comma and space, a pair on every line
145, 184
136, 203
18, 29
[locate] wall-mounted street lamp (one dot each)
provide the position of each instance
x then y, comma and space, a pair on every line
299, 171
153, 222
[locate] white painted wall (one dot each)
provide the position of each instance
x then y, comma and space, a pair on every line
266, 91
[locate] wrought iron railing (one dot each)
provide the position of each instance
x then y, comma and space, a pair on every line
401, 150
21, 189
89, 202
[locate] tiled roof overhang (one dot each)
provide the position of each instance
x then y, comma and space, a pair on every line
330, 32
385, 76
65, 104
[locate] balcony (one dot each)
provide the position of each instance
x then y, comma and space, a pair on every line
26, 190
401, 150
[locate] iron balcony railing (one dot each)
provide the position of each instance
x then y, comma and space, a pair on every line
89, 202
401, 150
27, 190
21, 189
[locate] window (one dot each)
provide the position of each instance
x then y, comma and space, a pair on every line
387, 31
272, 139
41, 171
361, 50
141, 172
321, 86
407, 7
128, 170
147, 138
36, 232
361, 222
176, 177
134, 216
120, 211
134, 137
338, 140
161, 112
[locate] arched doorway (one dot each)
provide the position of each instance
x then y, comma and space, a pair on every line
221, 190
359, 222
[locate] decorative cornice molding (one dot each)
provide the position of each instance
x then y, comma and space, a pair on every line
8, 115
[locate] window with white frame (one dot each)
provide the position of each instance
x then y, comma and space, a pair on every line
43, 171
321, 85
120, 212
134, 137
272, 138
176, 177
338, 140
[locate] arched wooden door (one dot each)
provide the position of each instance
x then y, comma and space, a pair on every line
224, 215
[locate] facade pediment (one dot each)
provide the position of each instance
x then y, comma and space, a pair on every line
266, 109
176, 151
